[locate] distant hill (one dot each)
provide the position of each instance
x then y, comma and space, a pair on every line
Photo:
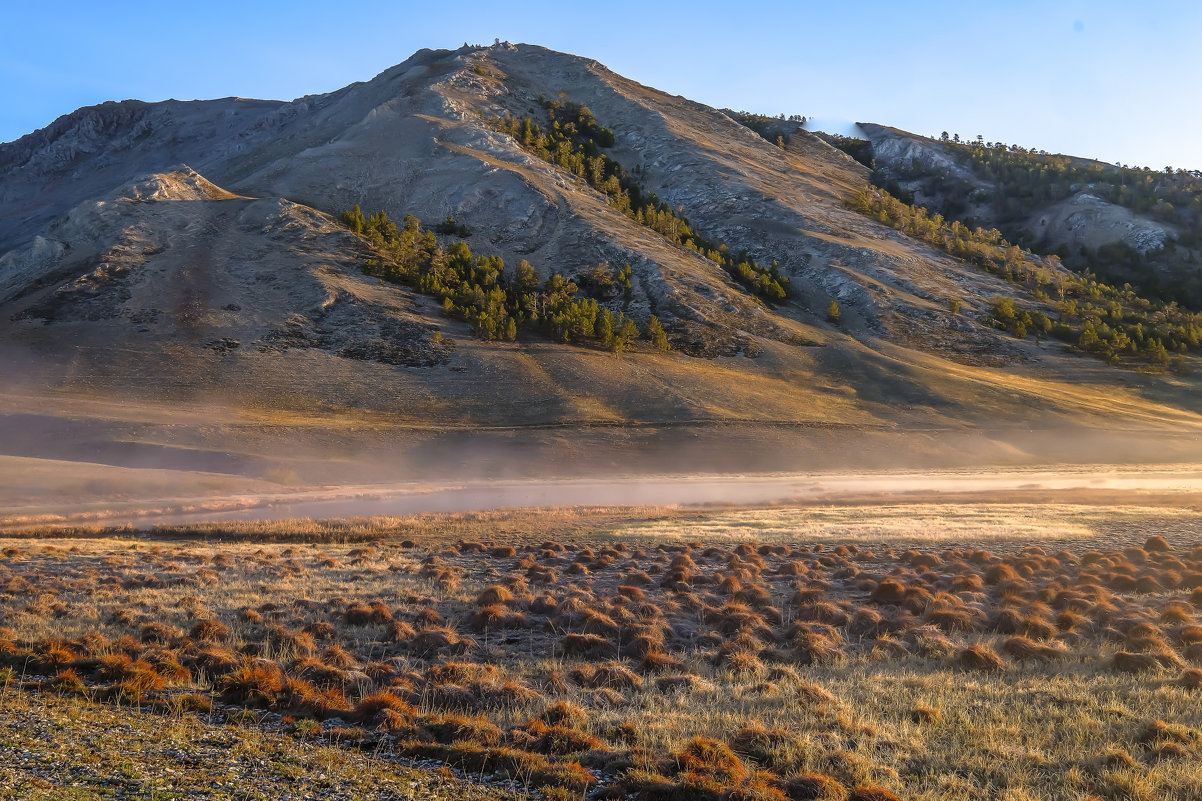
1125, 225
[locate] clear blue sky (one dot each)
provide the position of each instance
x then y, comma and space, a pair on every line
1120, 81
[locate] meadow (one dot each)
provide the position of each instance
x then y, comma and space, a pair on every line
910, 650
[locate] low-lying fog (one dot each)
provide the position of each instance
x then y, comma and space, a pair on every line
414, 498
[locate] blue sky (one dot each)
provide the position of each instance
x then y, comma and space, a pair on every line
1119, 81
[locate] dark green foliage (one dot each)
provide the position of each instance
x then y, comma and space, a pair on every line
477, 288
353, 219
1092, 317
656, 334
571, 140
627, 333
604, 283
778, 130
449, 227
616, 333
858, 149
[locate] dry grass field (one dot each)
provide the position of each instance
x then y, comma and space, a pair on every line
924, 650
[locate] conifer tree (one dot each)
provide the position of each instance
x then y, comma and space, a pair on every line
657, 335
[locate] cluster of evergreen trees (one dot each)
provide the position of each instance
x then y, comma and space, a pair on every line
572, 140
1091, 316
777, 130
479, 289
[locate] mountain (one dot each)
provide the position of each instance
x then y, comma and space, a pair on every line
177, 289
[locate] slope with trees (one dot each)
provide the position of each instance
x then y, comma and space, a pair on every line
572, 140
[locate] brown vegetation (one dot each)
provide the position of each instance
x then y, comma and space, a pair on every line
607, 670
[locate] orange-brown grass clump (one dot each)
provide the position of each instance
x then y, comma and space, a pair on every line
708, 763
867, 793
815, 787
980, 657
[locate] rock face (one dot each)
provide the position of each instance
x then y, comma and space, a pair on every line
1088, 220
893, 147
132, 273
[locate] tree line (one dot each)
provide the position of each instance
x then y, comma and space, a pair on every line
497, 302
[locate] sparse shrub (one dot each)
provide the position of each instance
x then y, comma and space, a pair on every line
658, 662
761, 787
1000, 573
888, 592
813, 694
248, 615
814, 648
450, 728
428, 618
1159, 731
321, 630
495, 616
68, 682
563, 713
54, 656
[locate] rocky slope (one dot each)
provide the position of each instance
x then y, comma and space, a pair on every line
188, 252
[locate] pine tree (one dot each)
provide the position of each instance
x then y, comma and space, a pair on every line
657, 335
832, 313
605, 328
353, 219
628, 332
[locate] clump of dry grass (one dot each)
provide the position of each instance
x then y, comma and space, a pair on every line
815, 787
1191, 679
980, 657
869, 793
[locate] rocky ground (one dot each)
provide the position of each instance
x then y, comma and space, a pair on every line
54, 748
